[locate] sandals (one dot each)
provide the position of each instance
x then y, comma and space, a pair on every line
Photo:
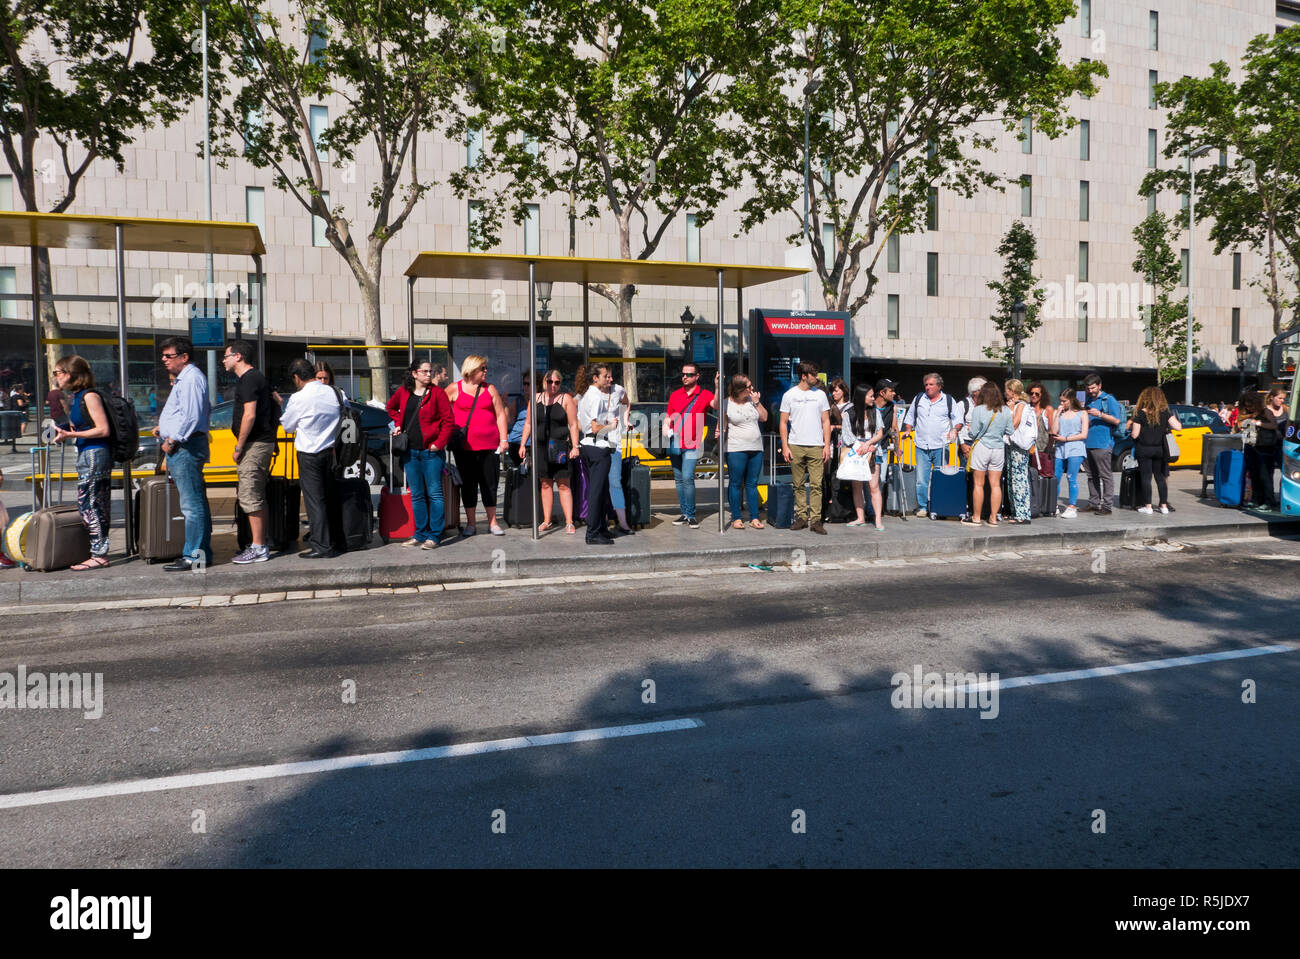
570, 528
880, 527
973, 522
95, 562
757, 524
857, 522
737, 524
546, 527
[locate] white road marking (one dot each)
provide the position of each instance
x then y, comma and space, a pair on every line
362, 761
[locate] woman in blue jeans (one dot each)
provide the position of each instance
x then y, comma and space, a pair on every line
744, 448
88, 425
1069, 429
422, 412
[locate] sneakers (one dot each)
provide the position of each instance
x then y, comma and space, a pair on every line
468, 531
922, 513
254, 554
693, 523
497, 530
799, 524
412, 543
681, 520
1164, 510
429, 544
1147, 510
1069, 513
818, 528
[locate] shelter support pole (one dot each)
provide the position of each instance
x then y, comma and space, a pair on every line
740, 329
261, 313
586, 325
410, 319
122, 372
722, 407
41, 386
534, 478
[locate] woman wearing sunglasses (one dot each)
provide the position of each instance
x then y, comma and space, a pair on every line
557, 445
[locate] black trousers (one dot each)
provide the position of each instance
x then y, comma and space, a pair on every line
1259, 464
319, 495
1153, 463
597, 461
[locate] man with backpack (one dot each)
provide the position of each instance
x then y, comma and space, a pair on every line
253, 421
1105, 425
934, 421
314, 413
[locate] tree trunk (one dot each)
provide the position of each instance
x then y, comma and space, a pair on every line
627, 340
50, 326
375, 356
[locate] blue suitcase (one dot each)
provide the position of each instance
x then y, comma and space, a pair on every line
1229, 477
780, 505
948, 489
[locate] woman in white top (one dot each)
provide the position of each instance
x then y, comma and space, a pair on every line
861, 431
616, 497
744, 448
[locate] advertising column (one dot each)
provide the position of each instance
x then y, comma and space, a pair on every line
782, 339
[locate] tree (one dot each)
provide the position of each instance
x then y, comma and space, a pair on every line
908, 88
82, 76
1019, 250
1166, 319
1254, 200
622, 106
397, 66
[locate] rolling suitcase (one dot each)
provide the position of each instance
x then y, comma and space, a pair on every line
1230, 478
636, 493
159, 532
521, 485
450, 502
54, 536
1211, 445
948, 490
1042, 494
356, 515
283, 510
396, 514
1129, 481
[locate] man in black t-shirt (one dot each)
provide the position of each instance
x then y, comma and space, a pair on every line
254, 423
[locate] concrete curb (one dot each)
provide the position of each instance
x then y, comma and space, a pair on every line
152, 583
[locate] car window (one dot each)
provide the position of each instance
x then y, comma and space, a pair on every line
221, 416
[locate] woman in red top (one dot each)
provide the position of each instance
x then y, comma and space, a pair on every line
423, 413
481, 416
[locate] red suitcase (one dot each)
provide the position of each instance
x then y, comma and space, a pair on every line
396, 516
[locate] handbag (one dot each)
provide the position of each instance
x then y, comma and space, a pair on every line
460, 434
855, 466
1171, 446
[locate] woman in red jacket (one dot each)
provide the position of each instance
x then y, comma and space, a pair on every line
422, 413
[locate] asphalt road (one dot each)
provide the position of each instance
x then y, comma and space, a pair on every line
788, 675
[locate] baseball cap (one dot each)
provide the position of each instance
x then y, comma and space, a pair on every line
885, 384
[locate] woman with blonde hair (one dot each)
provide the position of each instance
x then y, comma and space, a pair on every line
1024, 433
1152, 422
479, 439
989, 424
557, 446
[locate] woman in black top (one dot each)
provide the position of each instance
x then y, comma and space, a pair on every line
1262, 454
557, 446
1152, 422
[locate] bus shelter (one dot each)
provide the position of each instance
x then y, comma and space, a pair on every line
137, 234
585, 271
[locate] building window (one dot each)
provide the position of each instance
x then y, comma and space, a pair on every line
316, 43
1152, 148
318, 237
252, 128
255, 208
692, 238
1236, 274
1086, 96
1236, 324
319, 120
6, 191
8, 284
891, 180
1085, 18
891, 253
530, 146
1083, 261
932, 274
1026, 195
475, 224
533, 230
1153, 77
891, 322
1183, 267
1223, 159
1084, 188
932, 209
1085, 138
1147, 336
1153, 30
828, 241
1083, 322
1027, 135
1151, 203
473, 146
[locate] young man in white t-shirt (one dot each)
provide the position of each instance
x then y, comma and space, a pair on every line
806, 443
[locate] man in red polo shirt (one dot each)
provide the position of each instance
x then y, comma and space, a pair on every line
685, 426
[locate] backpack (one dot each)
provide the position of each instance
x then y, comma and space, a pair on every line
965, 405
1024, 435
123, 426
1042, 439
348, 436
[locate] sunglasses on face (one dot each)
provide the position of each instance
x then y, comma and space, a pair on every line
552, 382
170, 356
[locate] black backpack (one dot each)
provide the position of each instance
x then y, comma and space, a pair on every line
123, 426
349, 438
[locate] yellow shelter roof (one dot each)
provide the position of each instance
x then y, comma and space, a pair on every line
577, 269
74, 232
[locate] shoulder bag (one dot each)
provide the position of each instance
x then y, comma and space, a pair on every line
460, 434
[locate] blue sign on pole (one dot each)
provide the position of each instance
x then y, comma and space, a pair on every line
208, 332
704, 346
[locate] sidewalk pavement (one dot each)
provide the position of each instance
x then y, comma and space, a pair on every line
662, 547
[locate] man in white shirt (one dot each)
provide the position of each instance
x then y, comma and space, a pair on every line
806, 444
934, 421
599, 419
312, 414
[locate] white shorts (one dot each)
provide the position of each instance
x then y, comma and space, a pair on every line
987, 458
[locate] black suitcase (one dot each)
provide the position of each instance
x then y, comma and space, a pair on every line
1042, 494
283, 508
519, 498
636, 493
356, 515
1128, 489
780, 505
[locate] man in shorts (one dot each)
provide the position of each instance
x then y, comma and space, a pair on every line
254, 421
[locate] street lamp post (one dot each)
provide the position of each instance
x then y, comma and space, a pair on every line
688, 321
1191, 246
1017, 328
808, 90
207, 181
1242, 350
